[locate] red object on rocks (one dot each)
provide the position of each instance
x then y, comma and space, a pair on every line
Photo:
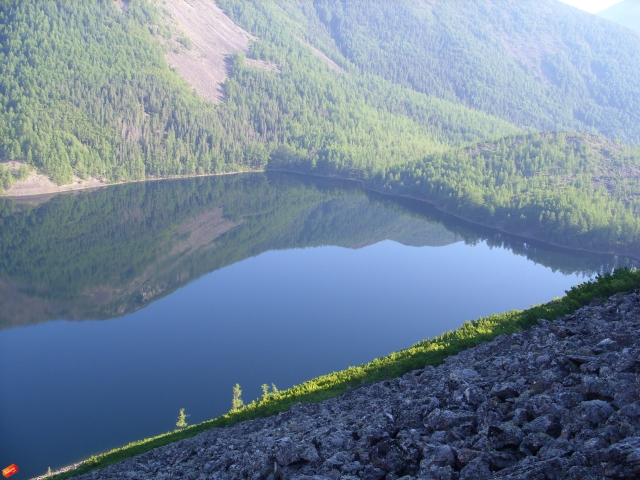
10, 470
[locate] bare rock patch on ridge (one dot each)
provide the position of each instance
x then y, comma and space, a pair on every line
212, 37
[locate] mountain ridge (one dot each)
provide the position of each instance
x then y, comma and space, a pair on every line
626, 13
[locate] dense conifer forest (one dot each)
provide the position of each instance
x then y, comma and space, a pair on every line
432, 99
85, 90
539, 64
555, 186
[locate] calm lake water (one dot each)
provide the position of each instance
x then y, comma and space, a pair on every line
120, 306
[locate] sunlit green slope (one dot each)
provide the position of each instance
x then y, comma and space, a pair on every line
572, 189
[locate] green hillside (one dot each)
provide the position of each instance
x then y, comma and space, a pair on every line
572, 189
625, 13
85, 91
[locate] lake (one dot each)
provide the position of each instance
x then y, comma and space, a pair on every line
122, 305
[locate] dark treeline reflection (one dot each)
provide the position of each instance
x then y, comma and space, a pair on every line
105, 253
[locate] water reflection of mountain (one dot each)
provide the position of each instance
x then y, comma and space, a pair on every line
564, 260
109, 252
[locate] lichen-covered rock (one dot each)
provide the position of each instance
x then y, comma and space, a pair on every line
558, 401
286, 452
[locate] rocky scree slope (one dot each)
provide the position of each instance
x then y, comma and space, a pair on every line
557, 401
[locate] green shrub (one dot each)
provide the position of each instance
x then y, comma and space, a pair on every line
182, 420
6, 179
23, 172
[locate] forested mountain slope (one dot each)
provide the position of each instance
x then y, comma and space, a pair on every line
536, 63
374, 90
85, 90
575, 189
572, 189
625, 13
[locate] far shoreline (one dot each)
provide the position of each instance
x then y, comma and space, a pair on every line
82, 187
458, 216
431, 351
36, 192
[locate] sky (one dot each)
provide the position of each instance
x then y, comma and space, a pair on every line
591, 6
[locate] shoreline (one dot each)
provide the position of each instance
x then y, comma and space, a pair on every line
476, 335
459, 216
482, 404
91, 185
62, 189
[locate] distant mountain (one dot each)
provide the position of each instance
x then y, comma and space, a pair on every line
534, 63
625, 13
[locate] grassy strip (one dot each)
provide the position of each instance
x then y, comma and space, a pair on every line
427, 352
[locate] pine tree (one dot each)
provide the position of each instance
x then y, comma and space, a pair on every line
182, 419
236, 402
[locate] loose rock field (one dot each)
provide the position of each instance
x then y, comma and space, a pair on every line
557, 401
